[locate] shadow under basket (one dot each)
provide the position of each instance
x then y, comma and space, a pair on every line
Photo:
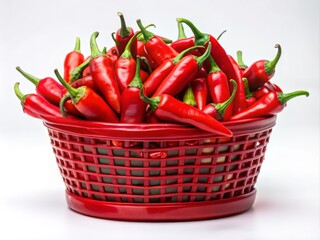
158, 172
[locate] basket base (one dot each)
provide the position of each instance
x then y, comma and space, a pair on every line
161, 212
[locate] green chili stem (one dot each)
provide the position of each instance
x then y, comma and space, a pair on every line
183, 53
73, 91
124, 30
200, 60
153, 102
246, 88
222, 107
181, 32
285, 97
146, 34
271, 65
22, 97
240, 60
78, 71
28, 76
127, 50
136, 81
77, 46
114, 39
188, 97
220, 35
95, 52
214, 66
199, 37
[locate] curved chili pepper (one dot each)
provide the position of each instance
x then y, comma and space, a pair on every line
101, 68
267, 87
188, 97
222, 59
87, 102
217, 110
35, 105
123, 36
219, 87
49, 89
133, 108
240, 62
158, 50
77, 72
168, 108
249, 95
72, 60
200, 90
261, 71
182, 73
86, 81
270, 104
161, 72
125, 66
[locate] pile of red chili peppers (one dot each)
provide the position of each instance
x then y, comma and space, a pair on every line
147, 78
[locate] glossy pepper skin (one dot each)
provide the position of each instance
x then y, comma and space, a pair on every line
72, 60
217, 110
270, 104
261, 71
86, 81
200, 90
182, 73
222, 59
36, 106
49, 89
169, 109
87, 102
250, 99
133, 107
265, 89
157, 49
101, 68
123, 36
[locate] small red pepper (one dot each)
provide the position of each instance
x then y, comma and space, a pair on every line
222, 59
249, 95
200, 90
182, 73
87, 102
125, 66
219, 87
101, 68
123, 36
36, 106
168, 108
265, 89
158, 50
161, 72
270, 104
261, 71
72, 60
218, 110
133, 108
49, 89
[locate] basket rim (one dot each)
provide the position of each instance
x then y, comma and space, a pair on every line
150, 131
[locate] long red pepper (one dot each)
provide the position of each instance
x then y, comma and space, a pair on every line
261, 71
101, 68
182, 73
222, 59
219, 87
161, 72
201, 92
123, 36
125, 66
87, 102
72, 60
218, 110
49, 89
168, 108
158, 50
133, 108
36, 106
270, 104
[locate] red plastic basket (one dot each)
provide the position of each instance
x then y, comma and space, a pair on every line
158, 172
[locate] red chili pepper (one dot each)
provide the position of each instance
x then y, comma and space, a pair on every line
168, 108
123, 36
125, 66
161, 72
72, 60
267, 87
222, 59
200, 90
133, 108
36, 106
219, 87
242, 66
188, 97
150, 118
270, 104
261, 71
87, 102
182, 73
101, 68
158, 50
86, 81
49, 89
218, 110
113, 54
249, 96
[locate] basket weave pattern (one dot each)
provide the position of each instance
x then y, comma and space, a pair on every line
160, 171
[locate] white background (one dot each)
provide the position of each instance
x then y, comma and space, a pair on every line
36, 35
